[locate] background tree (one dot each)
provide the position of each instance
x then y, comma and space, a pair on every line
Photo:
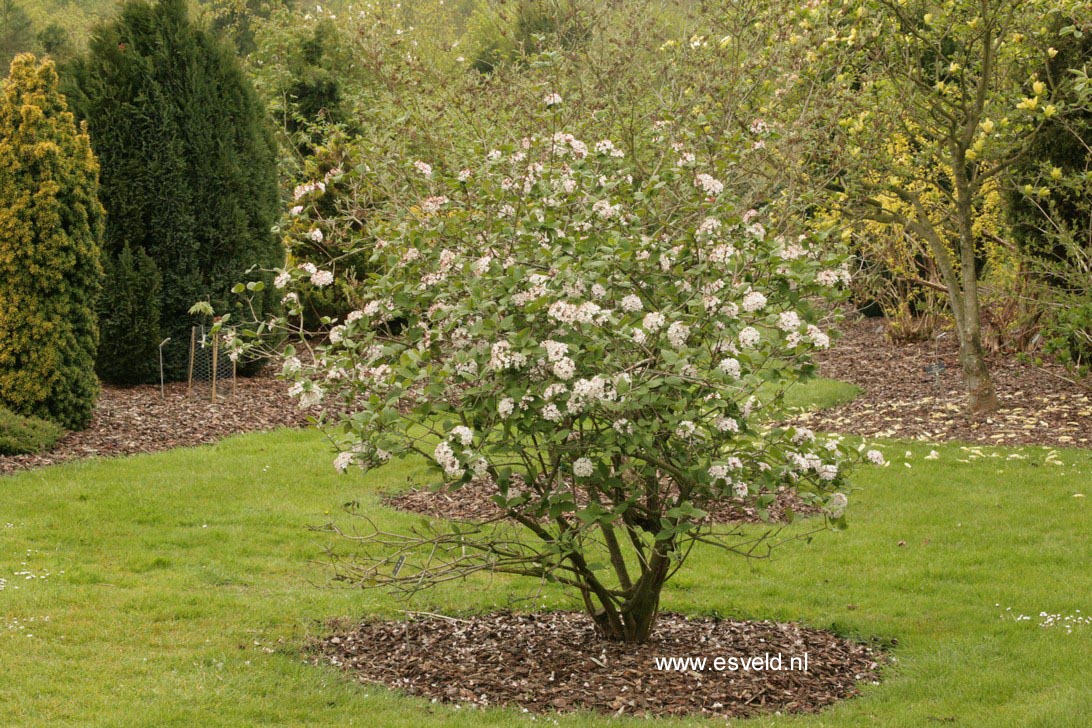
236, 19
16, 31
956, 83
51, 226
188, 163
54, 40
1050, 199
504, 32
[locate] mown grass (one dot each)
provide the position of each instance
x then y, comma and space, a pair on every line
180, 588
818, 394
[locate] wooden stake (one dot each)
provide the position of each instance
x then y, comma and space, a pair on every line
215, 351
193, 343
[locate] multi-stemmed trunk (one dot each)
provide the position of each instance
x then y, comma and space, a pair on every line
632, 617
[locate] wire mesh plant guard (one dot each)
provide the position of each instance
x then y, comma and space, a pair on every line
212, 371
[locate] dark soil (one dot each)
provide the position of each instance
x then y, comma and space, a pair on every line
555, 662
136, 420
900, 399
473, 502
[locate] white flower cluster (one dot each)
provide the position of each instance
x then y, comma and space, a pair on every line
730, 367
432, 205
309, 393
677, 334
754, 301
726, 424
564, 368
568, 313
708, 228
605, 210
749, 337
586, 392
308, 188
789, 321
502, 357
567, 144
343, 461
653, 322
809, 462
833, 277
464, 435
836, 504
607, 147
446, 459
709, 184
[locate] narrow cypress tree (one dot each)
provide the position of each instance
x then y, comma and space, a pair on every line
188, 163
51, 225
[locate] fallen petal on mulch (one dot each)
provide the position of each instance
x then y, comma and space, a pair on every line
901, 399
554, 661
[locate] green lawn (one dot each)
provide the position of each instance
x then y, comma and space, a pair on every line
818, 394
177, 589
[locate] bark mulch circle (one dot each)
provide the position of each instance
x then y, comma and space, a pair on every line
473, 502
137, 420
554, 661
1039, 405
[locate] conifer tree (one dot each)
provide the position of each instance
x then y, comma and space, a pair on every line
51, 225
188, 163
129, 319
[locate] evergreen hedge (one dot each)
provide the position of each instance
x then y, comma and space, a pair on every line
129, 319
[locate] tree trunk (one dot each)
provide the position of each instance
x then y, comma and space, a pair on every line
632, 621
981, 397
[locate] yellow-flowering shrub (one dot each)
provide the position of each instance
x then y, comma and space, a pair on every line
896, 269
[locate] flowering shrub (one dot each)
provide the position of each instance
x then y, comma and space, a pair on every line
602, 341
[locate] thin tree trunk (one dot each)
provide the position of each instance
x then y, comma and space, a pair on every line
962, 288
981, 397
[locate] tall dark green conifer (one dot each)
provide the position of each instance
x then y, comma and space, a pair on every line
188, 164
129, 319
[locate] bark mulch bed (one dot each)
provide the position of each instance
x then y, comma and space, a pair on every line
900, 399
473, 502
554, 661
136, 420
